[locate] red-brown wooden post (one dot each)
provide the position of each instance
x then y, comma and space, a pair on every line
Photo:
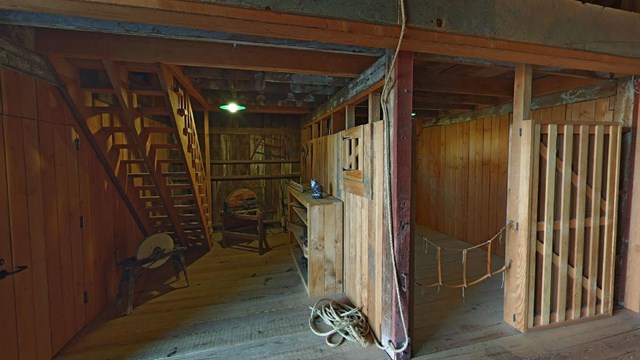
401, 181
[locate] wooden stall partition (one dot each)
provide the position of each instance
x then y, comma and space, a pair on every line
363, 218
49, 181
575, 212
564, 172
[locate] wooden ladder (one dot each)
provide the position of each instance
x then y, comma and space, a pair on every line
142, 120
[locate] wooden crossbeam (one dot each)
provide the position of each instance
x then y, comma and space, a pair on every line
85, 45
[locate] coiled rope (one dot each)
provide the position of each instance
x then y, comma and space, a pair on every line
346, 322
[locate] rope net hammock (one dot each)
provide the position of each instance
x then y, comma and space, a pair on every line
466, 282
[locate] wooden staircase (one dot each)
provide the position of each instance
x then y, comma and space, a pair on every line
141, 119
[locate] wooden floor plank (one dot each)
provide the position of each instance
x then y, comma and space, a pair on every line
447, 327
239, 306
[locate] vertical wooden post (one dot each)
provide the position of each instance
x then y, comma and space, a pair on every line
401, 180
517, 304
350, 115
632, 281
374, 107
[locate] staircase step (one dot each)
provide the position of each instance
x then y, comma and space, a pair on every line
172, 161
133, 161
138, 174
152, 110
123, 146
159, 129
166, 146
179, 186
174, 173
144, 186
150, 197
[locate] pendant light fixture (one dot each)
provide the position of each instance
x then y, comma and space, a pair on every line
232, 107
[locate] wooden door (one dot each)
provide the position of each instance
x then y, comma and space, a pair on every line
42, 306
8, 327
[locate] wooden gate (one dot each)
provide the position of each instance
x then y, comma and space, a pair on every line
574, 220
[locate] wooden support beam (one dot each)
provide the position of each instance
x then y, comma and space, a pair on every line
571, 96
589, 43
463, 85
84, 45
368, 81
252, 131
518, 310
254, 177
401, 204
18, 58
632, 281
374, 107
431, 96
254, 162
350, 116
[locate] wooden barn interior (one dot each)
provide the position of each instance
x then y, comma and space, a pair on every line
159, 163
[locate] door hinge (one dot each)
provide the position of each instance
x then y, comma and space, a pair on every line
77, 144
403, 281
86, 297
81, 222
520, 131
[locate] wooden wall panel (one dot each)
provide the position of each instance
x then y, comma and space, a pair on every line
461, 179
46, 185
363, 218
254, 138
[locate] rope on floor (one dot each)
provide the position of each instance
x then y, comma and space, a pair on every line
346, 322
465, 281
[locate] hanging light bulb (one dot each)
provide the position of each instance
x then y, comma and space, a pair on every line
232, 107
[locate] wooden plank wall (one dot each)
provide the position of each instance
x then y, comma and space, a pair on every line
461, 179
49, 185
363, 221
232, 139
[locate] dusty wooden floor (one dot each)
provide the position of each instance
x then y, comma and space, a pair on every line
446, 327
239, 306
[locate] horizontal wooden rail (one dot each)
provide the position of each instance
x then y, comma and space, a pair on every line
257, 162
255, 177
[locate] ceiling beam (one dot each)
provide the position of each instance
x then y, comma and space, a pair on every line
463, 85
293, 110
18, 58
63, 22
597, 39
273, 77
353, 92
253, 85
540, 101
430, 96
84, 45
417, 105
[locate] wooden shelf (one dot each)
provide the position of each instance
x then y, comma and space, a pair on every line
297, 255
301, 212
323, 252
305, 248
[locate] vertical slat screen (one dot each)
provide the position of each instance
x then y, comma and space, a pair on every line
575, 225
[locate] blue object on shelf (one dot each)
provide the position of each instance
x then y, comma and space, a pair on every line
316, 189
